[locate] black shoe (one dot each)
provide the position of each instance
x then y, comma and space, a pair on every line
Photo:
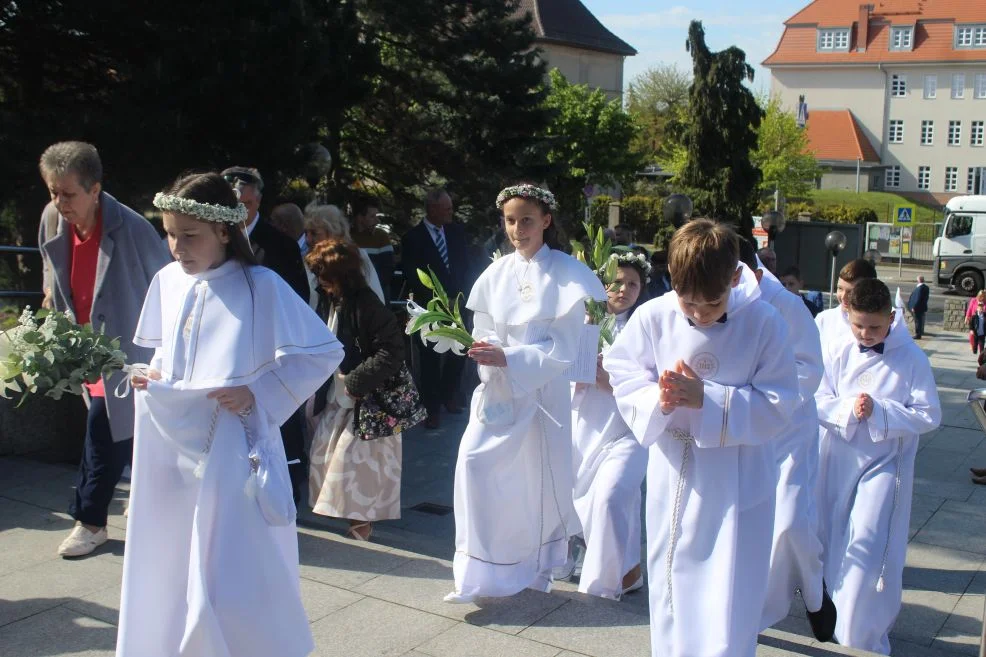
823, 621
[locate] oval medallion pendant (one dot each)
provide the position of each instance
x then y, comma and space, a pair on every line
526, 292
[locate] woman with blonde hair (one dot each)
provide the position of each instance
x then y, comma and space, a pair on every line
324, 222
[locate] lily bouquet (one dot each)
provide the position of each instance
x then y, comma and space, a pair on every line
49, 353
598, 259
439, 323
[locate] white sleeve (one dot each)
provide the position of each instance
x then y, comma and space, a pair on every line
919, 413
757, 412
549, 351
807, 352
835, 413
632, 367
280, 392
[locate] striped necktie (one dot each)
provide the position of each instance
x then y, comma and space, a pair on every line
442, 246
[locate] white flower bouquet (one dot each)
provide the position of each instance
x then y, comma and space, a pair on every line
439, 323
49, 353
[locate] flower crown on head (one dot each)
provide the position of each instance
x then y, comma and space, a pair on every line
634, 260
529, 192
205, 211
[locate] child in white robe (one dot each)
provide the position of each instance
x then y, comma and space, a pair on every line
513, 476
705, 377
833, 324
235, 353
609, 464
877, 396
796, 552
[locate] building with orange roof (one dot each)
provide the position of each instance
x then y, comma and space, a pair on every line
899, 85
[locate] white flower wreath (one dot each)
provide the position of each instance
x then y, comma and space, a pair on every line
634, 259
529, 192
205, 211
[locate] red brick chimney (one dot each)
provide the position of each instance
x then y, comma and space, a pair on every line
863, 27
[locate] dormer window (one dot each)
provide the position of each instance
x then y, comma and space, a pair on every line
833, 40
970, 36
902, 38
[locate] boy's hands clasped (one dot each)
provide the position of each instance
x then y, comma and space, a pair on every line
681, 388
863, 408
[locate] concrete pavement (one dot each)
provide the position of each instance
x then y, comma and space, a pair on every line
385, 597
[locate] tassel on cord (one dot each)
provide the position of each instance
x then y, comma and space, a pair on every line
200, 470
879, 585
250, 487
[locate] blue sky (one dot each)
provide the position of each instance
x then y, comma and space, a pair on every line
657, 29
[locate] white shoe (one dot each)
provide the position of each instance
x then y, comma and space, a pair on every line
636, 586
82, 542
457, 598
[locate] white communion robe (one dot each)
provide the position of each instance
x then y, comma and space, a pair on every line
513, 476
710, 475
796, 552
204, 575
609, 468
866, 476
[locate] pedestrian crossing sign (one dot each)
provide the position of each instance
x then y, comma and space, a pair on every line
904, 214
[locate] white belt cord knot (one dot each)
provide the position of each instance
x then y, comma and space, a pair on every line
124, 388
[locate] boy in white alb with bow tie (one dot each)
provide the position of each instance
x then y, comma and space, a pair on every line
877, 396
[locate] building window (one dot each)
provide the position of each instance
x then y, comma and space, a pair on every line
951, 179
898, 86
833, 40
927, 133
892, 177
970, 182
896, 133
931, 86
958, 85
924, 177
901, 38
970, 36
976, 133
954, 133
980, 85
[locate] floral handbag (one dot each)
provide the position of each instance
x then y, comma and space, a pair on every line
389, 410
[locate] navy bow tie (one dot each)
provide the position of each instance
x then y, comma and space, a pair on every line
721, 320
878, 348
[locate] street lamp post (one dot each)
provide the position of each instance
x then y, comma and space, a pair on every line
773, 222
834, 242
677, 210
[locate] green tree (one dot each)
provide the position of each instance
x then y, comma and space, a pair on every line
590, 139
721, 134
782, 153
656, 98
458, 100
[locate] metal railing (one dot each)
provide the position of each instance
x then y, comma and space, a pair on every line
20, 250
976, 399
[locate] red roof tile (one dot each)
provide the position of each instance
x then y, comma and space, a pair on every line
835, 135
933, 34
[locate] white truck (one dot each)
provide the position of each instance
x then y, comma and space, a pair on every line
960, 252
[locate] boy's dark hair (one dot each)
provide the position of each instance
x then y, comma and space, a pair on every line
702, 258
747, 254
212, 188
792, 271
857, 270
363, 202
870, 295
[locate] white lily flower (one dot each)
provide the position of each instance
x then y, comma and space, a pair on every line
414, 311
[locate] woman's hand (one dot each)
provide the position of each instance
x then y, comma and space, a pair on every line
235, 399
485, 353
139, 381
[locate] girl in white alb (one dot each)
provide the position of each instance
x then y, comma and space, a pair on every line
609, 464
513, 476
206, 572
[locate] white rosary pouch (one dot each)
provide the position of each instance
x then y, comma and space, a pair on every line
269, 481
496, 399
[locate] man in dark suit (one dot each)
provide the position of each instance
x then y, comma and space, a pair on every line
274, 249
917, 303
280, 253
441, 245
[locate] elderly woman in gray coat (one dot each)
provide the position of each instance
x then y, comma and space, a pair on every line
99, 258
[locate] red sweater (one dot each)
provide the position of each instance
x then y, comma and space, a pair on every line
85, 254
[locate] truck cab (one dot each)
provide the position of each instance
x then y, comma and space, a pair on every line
960, 251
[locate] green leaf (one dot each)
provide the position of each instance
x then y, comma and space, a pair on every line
427, 318
439, 289
425, 280
456, 334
